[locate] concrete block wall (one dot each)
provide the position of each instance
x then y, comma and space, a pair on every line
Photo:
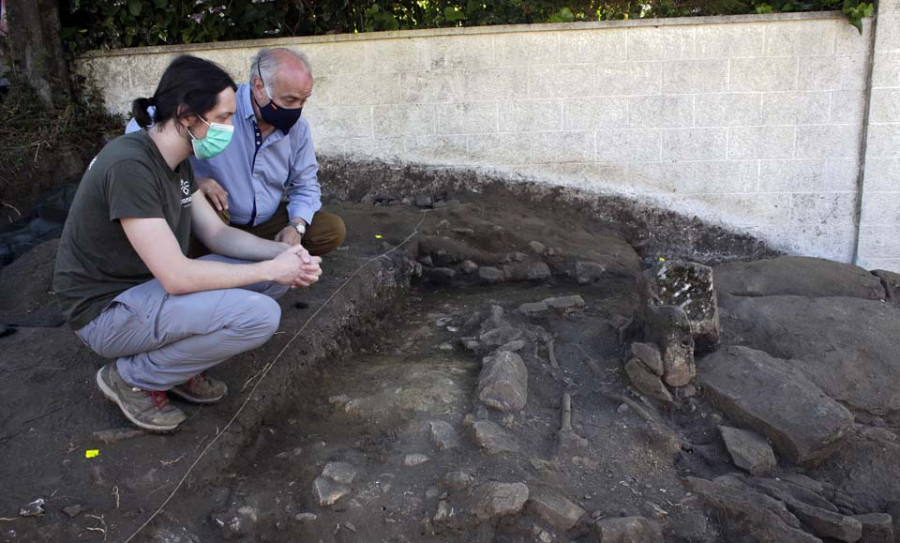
752, 122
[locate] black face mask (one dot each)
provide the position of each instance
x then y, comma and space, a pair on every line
279, 117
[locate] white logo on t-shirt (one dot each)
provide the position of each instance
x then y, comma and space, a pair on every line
185, 187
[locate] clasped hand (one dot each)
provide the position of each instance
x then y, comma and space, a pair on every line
296, 267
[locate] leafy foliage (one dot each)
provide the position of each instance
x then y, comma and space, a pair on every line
106, 24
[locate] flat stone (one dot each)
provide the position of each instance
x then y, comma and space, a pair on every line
669, 327
789, 493
648, 354
340, 472
799, 276
73, 510
500, 336
490, 274
494, 439
588, 272
444, 436
876, 528
513, 346
628, 530
756, 515
537, 247
566, 303
689, 286
306, 517
467, 266
772, 397
412, 460
460, 479
327, 492
646, 382
503, 382
749, 451
555, 509
827, 524
890, 281
441, 276
527, 271
492, 500
533, 308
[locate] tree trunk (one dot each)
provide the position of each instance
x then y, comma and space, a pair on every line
35, 49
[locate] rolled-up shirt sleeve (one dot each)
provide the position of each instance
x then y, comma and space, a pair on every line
302, 187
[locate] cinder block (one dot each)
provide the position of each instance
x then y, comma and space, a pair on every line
530, 116
355, 90
466, 118
823, 209
660, 43
340, 121
330, 146
628, 78
651, 177
728, 109
880, 208
830, 141
800, 38
565, 80
591, 175
694, 144
833, 73
833, 241
745, 210
749, 142
730, 41
761, 75
468, 52
882, 174
885, 106
887, 39
524, 48
538, 147
596, 114
405, 120
398, 55
850, 42
848, 107
842, 174
883, 141
879, 241
387, 149
671, 111
886, 71
695, 76
792, 176
435, 149
593, 45
496, 84
432, 86
336, 58
781, 108
889, 6
889, 264
709, 177
628, 145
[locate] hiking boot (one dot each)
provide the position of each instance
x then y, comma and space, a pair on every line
147, 409
201, 389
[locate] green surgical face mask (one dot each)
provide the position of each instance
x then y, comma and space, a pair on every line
217, 139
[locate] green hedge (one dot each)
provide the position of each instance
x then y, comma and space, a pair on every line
112, 24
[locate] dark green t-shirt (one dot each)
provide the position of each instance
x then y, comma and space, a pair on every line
95, 262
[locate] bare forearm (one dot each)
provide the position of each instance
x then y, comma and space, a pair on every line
202, 275
239, 244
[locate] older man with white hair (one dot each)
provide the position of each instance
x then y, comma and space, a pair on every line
266, 182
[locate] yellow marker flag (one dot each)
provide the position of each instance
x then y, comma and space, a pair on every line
377, 236
90, 453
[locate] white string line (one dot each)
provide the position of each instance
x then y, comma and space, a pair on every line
265, 372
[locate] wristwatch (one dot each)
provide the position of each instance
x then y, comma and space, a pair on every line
299, 227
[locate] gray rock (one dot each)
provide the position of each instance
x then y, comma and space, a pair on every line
527, 271
646, 382
749, 451
628, 530
468, 266
441, 276
340, 472
751, 514
500, 336
890, 281
237, 521
847, 346
876, 528
827, 524
494, 319
490, 274
423, 200
306, 517
554, 508
588, 272
173, 534
494, 439
800, 276
503, 382
327, 492
73, 511
426, 261
412, 460
669, 327
460, 479
650, 356
537, 247
492, 500
513, 346
770, 396
444, 512
566, 303
689, 286
443, 435
533, 308
789, 493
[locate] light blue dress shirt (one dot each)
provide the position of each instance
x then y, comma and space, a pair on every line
285, 164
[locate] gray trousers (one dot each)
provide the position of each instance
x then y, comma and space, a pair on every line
162, 340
